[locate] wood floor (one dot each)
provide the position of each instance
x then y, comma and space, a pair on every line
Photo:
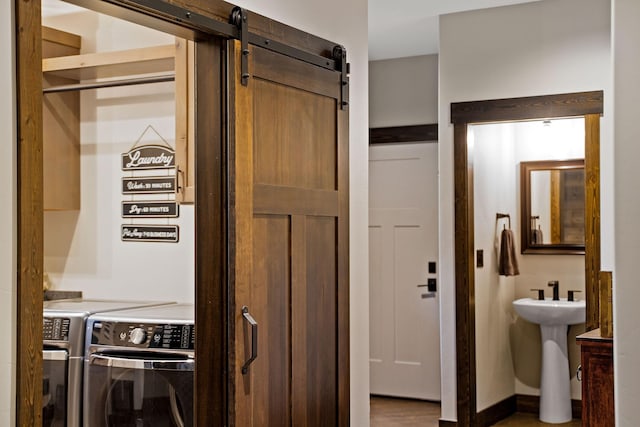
392, 412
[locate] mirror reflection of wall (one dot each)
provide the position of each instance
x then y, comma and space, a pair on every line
569, 216
540, 207
557, 207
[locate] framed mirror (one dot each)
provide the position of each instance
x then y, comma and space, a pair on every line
552, 206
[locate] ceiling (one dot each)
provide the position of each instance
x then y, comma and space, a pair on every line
402, 28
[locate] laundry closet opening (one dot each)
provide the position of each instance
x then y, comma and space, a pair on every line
119, 223
242, 90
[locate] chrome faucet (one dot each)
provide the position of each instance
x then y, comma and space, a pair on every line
556, 291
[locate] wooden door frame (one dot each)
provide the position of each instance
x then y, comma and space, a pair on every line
403, 134
184, 19
587, 104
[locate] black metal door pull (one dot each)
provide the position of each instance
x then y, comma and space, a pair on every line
254, 339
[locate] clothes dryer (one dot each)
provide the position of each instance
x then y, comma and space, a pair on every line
63, 354
139, 368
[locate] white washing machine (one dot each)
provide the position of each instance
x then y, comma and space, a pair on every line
139, 368
63, 354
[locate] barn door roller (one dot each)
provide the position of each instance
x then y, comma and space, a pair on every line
240, 19
340, 56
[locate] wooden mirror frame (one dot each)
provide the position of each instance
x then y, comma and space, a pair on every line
526, 245
583, 104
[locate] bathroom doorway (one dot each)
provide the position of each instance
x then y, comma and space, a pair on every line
588, 105
508, 348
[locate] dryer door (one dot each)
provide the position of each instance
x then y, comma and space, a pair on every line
139, 391
54, 387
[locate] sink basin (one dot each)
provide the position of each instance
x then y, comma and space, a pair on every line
549, 312
554, 317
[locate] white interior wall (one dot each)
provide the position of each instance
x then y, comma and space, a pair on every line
538, 48
83, 249
494, 191
403, 91
349, 28
626, 60
8, 224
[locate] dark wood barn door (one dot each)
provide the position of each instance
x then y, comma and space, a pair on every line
289, 243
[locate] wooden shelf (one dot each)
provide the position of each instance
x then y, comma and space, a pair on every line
61, 68
61, 123
155, 59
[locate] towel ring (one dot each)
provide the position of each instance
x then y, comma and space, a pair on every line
501, 215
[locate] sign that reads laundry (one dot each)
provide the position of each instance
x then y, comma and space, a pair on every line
149, 185
145, 209
149, 157
150, 233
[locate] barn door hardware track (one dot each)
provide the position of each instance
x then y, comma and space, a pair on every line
199, 23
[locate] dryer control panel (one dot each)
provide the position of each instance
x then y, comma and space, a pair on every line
55, 328
141, 335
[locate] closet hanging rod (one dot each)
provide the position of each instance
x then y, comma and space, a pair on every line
110, 83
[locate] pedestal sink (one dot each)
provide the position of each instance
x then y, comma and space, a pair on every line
553, 317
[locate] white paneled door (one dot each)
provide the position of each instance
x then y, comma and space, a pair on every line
403, 239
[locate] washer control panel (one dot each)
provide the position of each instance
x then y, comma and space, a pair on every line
140, 335
56, 328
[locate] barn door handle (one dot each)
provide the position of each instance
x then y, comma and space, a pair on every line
254, 338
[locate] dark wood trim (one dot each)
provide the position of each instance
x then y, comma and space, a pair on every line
528, 108
417, 133
211, 375
497, 412
465, 277
447, 423
30, 213
592, 220
462, 114
531, 405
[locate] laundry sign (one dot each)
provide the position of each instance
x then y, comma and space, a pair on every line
149, 185
149, 157
150, 233
148, 209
